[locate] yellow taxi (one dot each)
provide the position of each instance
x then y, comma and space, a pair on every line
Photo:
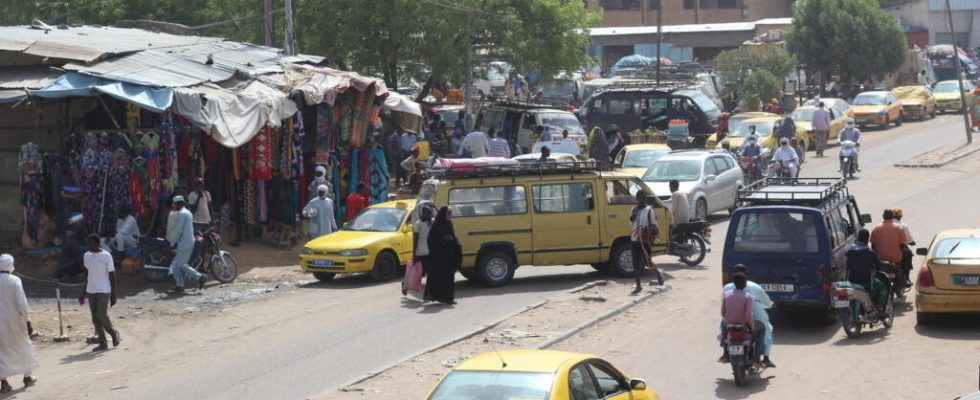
539, 374
949, 279
948, 95
734, 121
377, 241
917, 101
634, 159
879, 108
803, 119
765, 127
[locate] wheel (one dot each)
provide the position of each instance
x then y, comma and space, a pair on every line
621, 259
845, 167
922, 318
701, 210
324, 276
155, 258
604, 267
851, 327
385, 267
888, 123
739, 372
224, 269
496, 268
889, 319
701, 251
898, 122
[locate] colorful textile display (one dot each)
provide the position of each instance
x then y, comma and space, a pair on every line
377, 179
324, 130
31, 167
260, 155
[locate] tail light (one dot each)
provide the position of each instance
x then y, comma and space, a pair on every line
925, 277
706, 232
737, 335
825, 284
841, 294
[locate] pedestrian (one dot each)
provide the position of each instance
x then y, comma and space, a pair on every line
199, 202
774, 107
599, 148
127, 230
459, 127
408, 141
920, 78
614, 139
564, 134
394, 153
16, 349
545, 133
645, 230
101, 290
320, 178
70, 261
320, 212
545, 154
445, 257
356, 201
476, 143
420, 238
821, 127
787, 128
180, 234
498, 146
974, 110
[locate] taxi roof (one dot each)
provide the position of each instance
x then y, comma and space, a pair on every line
522, 361
646, 146
955, 233
394, 203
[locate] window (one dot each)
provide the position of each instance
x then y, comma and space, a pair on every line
610, 383
620, 4
689, 4
508, 385
720, 165
621, 192
710, 168
566, 197
712, 4
581, 385
837, 227
729, 162
528, 122
620, 106
776, 232
493, 200
653, 4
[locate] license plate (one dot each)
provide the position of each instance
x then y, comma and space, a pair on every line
736, 350
842, 303
777, 287
967, 280
860, 120
322, 263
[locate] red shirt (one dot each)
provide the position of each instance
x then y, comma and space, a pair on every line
887, 239
355, 203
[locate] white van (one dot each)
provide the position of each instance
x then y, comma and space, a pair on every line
518, 119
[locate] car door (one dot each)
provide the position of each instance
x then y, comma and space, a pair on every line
713, 187
730, 177
620, 197
581, 385
566, 223
610, 383
894, 107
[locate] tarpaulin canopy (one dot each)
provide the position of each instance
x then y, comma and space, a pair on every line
73, 84
322, 85
233, 116
399, 102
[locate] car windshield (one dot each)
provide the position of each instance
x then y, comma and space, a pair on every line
557, 88
776, 232
762, 129
947, 87
642, 158
869, 99
805, 114
967, 249
561, 121
377, 220
667, 170
494, 385
449, 117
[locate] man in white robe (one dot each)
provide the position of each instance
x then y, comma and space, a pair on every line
16, 350
320, 212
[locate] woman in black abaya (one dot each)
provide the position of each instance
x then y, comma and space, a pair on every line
445, 257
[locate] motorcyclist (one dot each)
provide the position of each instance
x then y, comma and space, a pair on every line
752, 135
787, 155
752, 149
907, 247
760, 303
852, 133
728, 148
862, 264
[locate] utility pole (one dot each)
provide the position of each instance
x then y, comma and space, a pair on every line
959, 75
469, 77
268, 24
660, 35
289, 45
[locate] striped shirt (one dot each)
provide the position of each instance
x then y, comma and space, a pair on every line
499, 148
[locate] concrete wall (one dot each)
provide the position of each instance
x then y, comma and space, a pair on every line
914, 14
963, 22
676, 14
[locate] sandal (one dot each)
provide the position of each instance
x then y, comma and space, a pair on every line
29, 381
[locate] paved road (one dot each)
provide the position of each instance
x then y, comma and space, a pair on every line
676, 349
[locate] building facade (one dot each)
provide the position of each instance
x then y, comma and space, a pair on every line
926, 22
617, 13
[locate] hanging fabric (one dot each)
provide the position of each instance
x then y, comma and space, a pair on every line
260, 156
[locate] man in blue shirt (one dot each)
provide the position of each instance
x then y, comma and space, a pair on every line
763, 329
862, 263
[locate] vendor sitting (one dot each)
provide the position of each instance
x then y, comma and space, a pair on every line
127, 232
678, 204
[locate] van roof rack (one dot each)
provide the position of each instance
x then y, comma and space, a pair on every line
522, 104
798, 191
532, 167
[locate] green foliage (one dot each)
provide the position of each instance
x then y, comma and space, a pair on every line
758, 87
854, 38
735, 65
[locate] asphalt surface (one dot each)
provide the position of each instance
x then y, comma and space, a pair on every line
676, 350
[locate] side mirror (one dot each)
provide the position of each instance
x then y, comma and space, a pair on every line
922, 251
865, 218
638, 384
710, 178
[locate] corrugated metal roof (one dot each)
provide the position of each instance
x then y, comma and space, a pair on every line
88, 43
954, 5
27, 77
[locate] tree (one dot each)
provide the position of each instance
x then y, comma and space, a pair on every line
853, 38
756, 72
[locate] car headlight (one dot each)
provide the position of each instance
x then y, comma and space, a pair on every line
353, 252
307, 250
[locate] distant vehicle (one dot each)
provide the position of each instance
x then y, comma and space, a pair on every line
518, 119
711, 180
948, 95
917, 101
642, 106
765, 128
734, 122
448, 113
878, 107
634, 159
489, 80
561, 90
539, 375
949, 279
803, 119
793, 234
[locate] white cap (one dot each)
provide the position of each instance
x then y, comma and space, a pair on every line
322, 188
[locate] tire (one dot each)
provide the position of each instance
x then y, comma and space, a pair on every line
922, 318
224, 269
385, 267
621, 260
324, 276
495, 268
851, 327
887, 124
898, 122
604, 267
739, 372
154, 257
845, 167
701, 210
889, 319
698, 243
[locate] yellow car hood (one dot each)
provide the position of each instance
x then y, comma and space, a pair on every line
947, 96
347, 240
803, 126
868, 109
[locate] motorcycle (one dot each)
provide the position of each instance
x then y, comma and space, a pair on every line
778, 169
848, 158
741, 353
750, 168
207, 257
689, 242
851, 313
899, 281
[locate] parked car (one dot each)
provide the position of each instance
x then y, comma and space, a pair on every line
377, 241
917, 101
711, 180
948, 95
765, 127
634, 159
803, 119
949, 279
539, 374
842, 106
877, 107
